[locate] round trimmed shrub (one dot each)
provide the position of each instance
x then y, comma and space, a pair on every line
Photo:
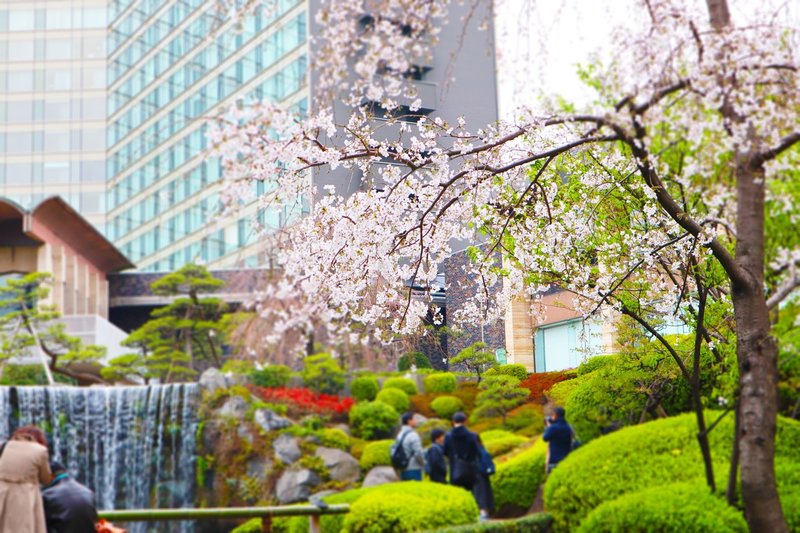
515, 370
418, 507
442, 382
446, 406
404, 384
364, 388
517, 479
394, 397
322, 374
677, 508
376, 454
498, 441
271, 376
419, 359
373, 420
335, 438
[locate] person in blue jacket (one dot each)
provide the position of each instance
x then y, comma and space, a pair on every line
558, 436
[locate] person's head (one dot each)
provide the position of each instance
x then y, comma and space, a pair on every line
408, 419
459, 419
559, 413
57, 468
437, 436
30, 434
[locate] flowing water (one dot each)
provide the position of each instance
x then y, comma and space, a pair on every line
134, 446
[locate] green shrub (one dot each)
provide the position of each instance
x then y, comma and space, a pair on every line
322, 374
535, 523
394, 397
446, 406
404, 384
364, 388
649, 455
373, 420
594, 363
419, 359
335, 438
442, 382
497, 441
560, 391
376, 454
271, 376
415, 507
514, 370
677, 508
242, 367
518, 478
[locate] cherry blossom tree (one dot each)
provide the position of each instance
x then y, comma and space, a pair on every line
692, 141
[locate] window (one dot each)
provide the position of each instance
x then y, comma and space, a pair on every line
19, 142
20, 81
59, 49
93, 48
58, 19
21, 20
93, 171
56, 172
94, 140
59, 79
94, 17
94, 109
92, 202
20, 50
20, 111
56, 141
56, 111
18, 173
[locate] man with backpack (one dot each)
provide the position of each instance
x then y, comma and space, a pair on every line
407, 453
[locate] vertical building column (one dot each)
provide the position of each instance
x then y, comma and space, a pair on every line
70, 284
519, 339
58, 272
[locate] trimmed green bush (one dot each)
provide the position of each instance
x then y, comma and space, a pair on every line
442, 382
515, 370
518, 478
535, 523
650, 455
394, 397
527, 416
446, 406
322, 374
677, 508
419, 359
335, 438
364, 388
594, 363
376, 454
271, 376
497, 441
373, 420
404, 384
415, 507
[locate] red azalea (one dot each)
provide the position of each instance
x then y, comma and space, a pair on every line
304, 399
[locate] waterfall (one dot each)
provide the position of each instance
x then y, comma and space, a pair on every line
133, 446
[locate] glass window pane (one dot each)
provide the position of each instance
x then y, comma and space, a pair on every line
56, 111
56, 172
20, 50
18, 173
19, 142
59, 49
58, 79
20, 111
20, 81
94, 139
21, 20
56, 142
94, 17
59, 19
93, 48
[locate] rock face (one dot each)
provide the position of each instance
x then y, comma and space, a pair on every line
341, 465
270, 421
211, 380
380, 475
234, 407
295, 486
286, 449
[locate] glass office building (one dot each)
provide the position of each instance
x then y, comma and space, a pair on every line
53, 103
171, 66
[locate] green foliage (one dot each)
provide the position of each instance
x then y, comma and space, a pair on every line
678, 508
527, 417
410, 507
376, 454
790, 502
364, 388
648, 455
270, 376
475, 358
335, 438
123, 366
499, 395
498, 442
425, 429
241, 367
322, 374
535, 523
419, 359
23, 375
373, 420
594, 363
514, 370
518, 478
394, 397
404, 384
442, 382
446, 406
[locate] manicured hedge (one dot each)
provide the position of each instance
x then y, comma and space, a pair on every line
272, 376
376, 454
373, 420
443, 382
446, 406
404, 384
649, 455
677, 508
514, 370
517, 479
364, 388
335, 438
498, 441
535, 523
321, 373
394, 397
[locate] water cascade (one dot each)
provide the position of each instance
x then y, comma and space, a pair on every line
134, 446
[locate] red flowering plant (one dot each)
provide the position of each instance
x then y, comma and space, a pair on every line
539, 384
301, 402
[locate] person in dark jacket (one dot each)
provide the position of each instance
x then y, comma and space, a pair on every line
483, 485
461, 448
558, 436
69, 507
435, 465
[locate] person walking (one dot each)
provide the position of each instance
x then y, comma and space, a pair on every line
407, 454
435, 464
484, 496
558, 435
461, 449
24, 466
69, 507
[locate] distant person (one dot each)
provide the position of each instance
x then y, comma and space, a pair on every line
435, 464
558, 435
461, 448
69, 507
482, 490
24, 466
407, 454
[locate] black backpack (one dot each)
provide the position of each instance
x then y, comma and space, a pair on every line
399, 458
